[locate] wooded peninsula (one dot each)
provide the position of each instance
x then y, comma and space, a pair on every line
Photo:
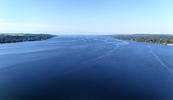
151, 38
12, 38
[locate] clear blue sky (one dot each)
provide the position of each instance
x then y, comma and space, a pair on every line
87, 16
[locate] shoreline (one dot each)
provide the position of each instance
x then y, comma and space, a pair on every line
170, 44
15, 38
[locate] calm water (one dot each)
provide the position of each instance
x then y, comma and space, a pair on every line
86, 68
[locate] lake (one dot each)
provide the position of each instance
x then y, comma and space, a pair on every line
86, 68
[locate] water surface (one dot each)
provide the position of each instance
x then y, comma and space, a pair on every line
85, 68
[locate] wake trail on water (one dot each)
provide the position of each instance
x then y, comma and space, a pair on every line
157, 58
119, 47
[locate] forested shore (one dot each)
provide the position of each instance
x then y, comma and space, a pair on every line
151, 38
12, 38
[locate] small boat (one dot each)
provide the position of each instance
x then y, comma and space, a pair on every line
148, 46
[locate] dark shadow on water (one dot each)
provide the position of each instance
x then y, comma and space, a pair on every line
78, 86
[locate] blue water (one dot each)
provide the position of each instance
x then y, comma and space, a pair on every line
86, 68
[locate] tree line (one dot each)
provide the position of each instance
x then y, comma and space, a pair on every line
12, 38
160, 39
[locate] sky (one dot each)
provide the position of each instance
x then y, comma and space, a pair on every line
86, 16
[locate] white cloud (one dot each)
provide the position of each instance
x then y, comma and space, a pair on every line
2, 20
19, 27
38, 28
